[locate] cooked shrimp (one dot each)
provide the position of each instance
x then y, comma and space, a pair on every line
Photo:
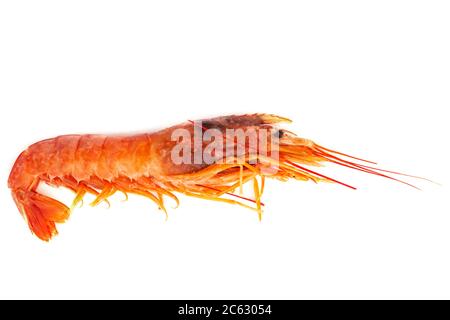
145, 164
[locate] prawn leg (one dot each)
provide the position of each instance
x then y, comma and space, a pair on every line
107, 191
78, 198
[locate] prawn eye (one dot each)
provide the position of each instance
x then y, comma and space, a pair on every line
279, 134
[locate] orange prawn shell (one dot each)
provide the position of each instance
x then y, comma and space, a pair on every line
83, 156
142, 164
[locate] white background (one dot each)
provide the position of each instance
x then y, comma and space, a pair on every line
370, 78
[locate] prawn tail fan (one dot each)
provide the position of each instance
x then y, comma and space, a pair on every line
41, 212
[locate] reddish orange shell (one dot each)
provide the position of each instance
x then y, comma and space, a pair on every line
142, 164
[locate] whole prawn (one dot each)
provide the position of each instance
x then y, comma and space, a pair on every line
143, 164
